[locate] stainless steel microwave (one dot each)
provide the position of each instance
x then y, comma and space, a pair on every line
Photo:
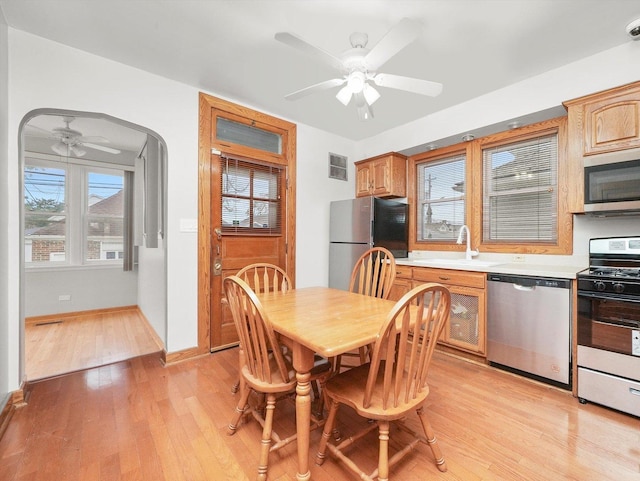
612, 182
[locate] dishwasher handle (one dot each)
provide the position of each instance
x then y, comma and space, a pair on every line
520, 287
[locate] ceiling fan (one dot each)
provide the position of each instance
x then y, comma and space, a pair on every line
359, 67
71, 141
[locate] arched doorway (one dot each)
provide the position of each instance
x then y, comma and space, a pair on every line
93, 191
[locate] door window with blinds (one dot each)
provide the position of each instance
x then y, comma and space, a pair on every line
520, 191
441, 198
251, 197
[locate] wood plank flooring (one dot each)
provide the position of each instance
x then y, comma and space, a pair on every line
65, 343
138, 420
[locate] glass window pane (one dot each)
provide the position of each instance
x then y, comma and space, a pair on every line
45, 234
441, 199
235, 212
104, 216
248, 136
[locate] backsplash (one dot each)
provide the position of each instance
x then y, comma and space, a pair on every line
588, 227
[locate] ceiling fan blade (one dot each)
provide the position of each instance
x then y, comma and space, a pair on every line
35, 129
103, 148
302, 45
395, 40
327, 84
364, 109
417, 86
94, 139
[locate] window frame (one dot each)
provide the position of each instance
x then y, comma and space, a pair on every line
412, 198
475, 191
76, 205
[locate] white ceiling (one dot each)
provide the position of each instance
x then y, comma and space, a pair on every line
227, 47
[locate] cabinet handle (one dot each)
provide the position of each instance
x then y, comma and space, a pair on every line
635, 392
444, 278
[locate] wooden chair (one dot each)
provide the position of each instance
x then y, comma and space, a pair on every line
373, 275
394, 382
265, 369
265, 277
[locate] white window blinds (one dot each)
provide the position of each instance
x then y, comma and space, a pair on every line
251, 197
441, 198
520, 191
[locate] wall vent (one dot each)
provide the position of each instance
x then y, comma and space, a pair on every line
337, 166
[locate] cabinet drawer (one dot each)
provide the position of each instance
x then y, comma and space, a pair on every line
448, 276
404, 272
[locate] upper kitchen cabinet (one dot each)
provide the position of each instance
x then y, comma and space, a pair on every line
382, 176
600, 123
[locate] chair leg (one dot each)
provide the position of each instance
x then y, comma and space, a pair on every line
235, 387
241, 408
383, 453
326, 432
431, 439
266, 438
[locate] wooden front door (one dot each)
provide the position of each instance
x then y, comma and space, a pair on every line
247, 205
249, 225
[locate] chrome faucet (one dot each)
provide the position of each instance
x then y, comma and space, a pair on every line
469, 254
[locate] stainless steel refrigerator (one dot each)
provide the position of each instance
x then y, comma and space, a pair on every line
356, 225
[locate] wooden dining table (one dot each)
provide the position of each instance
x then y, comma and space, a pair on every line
327, 322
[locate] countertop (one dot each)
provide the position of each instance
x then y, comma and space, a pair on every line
532, 265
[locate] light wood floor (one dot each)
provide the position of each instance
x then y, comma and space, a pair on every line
138, 420
65, 343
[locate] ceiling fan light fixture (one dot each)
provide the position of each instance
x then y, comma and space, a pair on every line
60, 148
344, 95
77, 151
370, 93
356, 81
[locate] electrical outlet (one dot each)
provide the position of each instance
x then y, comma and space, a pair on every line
635, 342
64, 297
518, 258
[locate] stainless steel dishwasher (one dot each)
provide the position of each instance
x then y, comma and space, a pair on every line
529, 326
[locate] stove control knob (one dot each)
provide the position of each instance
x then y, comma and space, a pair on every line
599, 285
619, 288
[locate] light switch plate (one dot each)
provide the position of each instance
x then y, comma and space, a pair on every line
635, 342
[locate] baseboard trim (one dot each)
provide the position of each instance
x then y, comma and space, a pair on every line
71, 315
14, 401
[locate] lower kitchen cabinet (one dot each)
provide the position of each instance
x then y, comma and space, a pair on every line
465, 329
402, 284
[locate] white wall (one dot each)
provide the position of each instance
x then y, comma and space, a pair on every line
96, 288
7, 364
314, 192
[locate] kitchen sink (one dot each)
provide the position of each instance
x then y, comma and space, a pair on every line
453, 263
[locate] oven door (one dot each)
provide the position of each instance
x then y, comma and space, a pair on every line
610, 322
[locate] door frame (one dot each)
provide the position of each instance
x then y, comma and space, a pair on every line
207, 104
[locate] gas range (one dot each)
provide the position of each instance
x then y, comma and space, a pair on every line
614, 267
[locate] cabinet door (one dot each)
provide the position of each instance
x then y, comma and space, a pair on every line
466, 327
381, 176
399, 288
363, 180
612, 124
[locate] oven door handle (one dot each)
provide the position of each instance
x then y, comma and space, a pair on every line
609, 297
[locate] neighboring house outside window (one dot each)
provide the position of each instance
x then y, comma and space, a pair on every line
73, 214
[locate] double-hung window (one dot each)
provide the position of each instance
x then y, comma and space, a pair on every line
74, 214
440, 192
520, 191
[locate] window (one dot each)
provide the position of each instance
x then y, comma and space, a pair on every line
74, 214
509, 188
440, 198
251, 195
45, 215
520, 191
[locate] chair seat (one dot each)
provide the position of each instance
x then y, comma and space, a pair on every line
277, 384
347, 388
